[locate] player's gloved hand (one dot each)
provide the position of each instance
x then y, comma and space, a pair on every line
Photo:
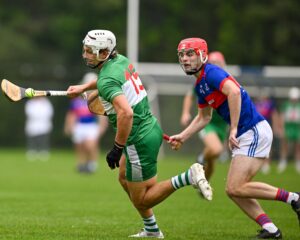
113, 157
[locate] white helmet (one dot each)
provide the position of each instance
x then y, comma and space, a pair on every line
99, 40
294, 93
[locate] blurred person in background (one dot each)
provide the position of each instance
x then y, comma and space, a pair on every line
266, 106
290, 120
250, 135
214, 133
38, 126
86, 129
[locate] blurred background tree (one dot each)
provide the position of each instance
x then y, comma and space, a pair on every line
41, 40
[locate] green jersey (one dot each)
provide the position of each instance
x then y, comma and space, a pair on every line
291, 112
291, 115
116, 77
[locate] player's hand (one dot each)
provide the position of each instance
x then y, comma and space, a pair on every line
75, 90
176, 141
232, 140
113, 157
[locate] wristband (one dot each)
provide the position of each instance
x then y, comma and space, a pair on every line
119, 145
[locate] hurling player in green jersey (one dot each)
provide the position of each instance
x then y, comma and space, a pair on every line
138, 134
214, 133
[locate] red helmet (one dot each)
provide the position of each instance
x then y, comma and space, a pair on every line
216, 56
198, 44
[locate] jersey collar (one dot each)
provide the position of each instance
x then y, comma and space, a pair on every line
201, 74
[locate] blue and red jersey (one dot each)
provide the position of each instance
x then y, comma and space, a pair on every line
208, 88
80, 109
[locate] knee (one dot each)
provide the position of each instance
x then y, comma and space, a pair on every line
122, 179
233, 191
140, 205
216, 151
123, 182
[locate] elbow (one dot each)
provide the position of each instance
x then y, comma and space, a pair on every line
235, 95
128, 115
236, 92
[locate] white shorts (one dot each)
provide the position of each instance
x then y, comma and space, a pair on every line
256, 142
85, 131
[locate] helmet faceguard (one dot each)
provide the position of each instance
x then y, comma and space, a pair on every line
98, 41
196, 45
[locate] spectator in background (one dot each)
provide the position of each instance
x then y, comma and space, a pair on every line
266, 106
86, 129
38, 126
290, 119
214, 134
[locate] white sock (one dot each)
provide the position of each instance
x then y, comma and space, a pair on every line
292, 197
270, 227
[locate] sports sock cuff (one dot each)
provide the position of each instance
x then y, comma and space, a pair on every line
263, 219
282, 195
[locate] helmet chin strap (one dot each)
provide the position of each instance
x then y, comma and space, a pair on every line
92, 66
195, 70
101, 61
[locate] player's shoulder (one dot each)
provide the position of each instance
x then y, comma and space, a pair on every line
213, 71
213, 68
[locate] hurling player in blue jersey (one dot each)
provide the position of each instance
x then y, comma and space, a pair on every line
250, 135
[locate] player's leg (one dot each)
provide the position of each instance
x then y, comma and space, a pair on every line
122, 174
142, 169
43, 147
91, 155
149, 193
265, 169
144, 190
243, 192
91, 149
243, 168
284, 147
146, 194
78, 137
141, 160
80, 155
31, 153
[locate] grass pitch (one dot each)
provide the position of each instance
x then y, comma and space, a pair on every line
49, 200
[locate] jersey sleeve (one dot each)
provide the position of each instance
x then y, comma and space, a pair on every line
110, 89
217, 77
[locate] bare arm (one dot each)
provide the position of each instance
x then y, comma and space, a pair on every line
124, 118
233, 93
76, 90
186, 108
199, 122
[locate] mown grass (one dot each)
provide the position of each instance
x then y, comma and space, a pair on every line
49, 200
